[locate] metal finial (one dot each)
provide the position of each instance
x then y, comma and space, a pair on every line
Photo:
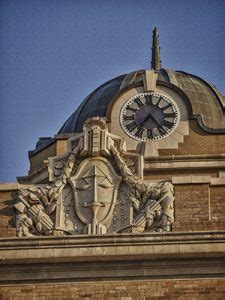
156, 62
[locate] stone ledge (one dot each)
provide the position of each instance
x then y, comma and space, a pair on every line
218, 181
181, 162
148, 269
177, 180
112, 257
10, 186
111, 247
191, 179
184, 165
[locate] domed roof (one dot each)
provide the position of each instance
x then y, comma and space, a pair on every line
93, 105
207, 103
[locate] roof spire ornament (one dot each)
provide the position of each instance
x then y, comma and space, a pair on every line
156, 62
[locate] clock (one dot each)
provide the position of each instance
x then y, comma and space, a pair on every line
149, 116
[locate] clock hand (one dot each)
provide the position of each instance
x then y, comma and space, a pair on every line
150, 116
145, 119
159, 125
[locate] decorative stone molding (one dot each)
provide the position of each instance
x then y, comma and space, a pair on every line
143, 256
96, 188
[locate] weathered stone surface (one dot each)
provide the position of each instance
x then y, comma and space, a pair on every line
159, 255
94, 189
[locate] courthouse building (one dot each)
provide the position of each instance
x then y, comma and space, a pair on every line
127, 200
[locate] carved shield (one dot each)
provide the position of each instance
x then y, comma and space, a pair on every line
95, 186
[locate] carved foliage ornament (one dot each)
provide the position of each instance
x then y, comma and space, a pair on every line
92, 190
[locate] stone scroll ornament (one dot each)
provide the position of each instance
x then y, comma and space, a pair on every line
94, 189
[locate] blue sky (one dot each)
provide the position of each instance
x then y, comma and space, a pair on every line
54, 53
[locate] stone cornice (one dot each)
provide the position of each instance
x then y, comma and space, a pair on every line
107, 247
177, 162
195, 157
212, 181
112, 257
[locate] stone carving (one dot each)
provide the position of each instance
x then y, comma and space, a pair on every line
96, 188
152, 202
36, 203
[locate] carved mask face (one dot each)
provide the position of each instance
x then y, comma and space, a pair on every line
149, 221
96, 185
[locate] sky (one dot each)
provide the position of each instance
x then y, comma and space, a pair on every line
54, 53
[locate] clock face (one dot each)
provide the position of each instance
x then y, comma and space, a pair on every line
149, 116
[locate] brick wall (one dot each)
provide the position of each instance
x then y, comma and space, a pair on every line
198, 143
217, 205
7, 214
191, 207
126, 290
199, 207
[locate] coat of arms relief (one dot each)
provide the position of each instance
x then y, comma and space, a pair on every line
96, 188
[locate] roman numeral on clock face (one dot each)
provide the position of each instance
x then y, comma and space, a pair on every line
167, 124
157, 103
138, 102
128, 118
170, 115
149, 134
161, 130
139, 132
132, 109
167, 106
148, 99
131, 126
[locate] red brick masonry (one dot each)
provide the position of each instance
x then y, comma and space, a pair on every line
126, 290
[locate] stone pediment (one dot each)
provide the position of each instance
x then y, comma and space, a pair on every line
96, 188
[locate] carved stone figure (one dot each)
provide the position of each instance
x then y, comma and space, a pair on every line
92, 190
